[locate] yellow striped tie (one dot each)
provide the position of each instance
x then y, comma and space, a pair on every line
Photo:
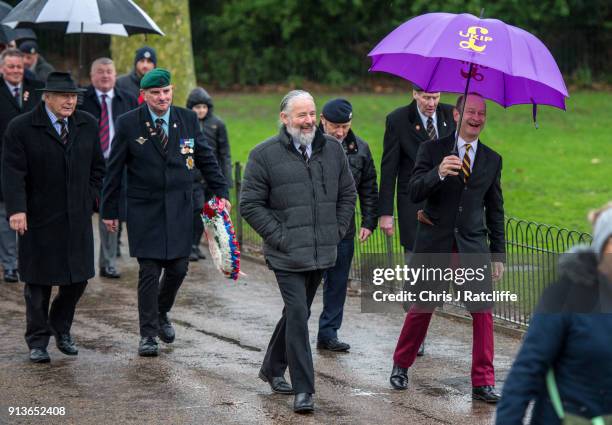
465, 165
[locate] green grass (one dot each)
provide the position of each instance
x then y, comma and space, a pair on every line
552, 175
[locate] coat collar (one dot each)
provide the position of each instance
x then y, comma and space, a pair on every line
41, 119
148, 128
317, 144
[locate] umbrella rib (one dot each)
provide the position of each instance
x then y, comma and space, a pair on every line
439, 59
510, 57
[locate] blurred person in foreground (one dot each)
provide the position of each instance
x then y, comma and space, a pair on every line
569, 338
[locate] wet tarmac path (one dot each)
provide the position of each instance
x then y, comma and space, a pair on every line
209, 374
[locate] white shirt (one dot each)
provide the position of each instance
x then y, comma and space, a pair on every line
308, 149
472, 153
424, 119
111, 127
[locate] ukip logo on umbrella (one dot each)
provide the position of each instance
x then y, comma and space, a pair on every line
475, 34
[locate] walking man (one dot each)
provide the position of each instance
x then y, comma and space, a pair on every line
160, 144
299, 196
52, 170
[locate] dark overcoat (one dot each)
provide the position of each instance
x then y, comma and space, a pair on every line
56, 185
159, 185
404, 133
9, 108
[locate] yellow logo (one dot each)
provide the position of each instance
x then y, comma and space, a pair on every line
475, 35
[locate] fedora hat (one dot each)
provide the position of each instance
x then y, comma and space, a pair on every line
61, 82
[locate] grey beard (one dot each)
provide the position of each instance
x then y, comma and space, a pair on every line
302, 138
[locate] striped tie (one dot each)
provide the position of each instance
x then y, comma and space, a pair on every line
63, 131
104, 128
304, 153
162, 134
17, 95
431, 130
465, 165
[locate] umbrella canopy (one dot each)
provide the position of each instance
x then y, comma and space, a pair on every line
438, 51
6, 33
82, 16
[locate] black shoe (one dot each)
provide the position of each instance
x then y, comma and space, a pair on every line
277, 383
193, 256
10, 275
109, 272
486, 393
166, 331
333, 345
39, 355
303, 403
148, 347
399, 377
66, 344
421, 351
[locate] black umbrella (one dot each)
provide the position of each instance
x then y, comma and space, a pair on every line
8, 34
83, 16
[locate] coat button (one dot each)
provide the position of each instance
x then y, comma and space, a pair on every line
460, 209
465, 188
456, 230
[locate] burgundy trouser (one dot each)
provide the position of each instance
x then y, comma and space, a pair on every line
414, 331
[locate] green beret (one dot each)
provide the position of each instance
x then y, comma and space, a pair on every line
157, 77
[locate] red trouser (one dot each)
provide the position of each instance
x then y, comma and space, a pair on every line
414, 331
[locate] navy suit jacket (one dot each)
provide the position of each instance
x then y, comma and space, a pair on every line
159, 184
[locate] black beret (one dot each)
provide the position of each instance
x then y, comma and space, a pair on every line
338, 111
29, 47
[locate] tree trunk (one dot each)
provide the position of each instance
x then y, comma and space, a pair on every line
174, 51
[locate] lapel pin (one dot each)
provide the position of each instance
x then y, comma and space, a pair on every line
174, 126
141, 140
444, 123
147, 123
418, 127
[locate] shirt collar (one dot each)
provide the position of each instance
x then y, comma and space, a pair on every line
425, 117
12, 87
53, 118
165, 117
461, 143
110, 94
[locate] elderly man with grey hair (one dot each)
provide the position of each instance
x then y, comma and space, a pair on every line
106, 102
299, 196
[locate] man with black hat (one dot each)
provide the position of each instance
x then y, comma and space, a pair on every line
18, 94
52, 169
336, 121
160, 144
145, 60
405, 130
34, 61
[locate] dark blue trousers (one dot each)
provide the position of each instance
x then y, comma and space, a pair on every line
334, 291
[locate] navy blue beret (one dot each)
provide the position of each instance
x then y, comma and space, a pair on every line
338, 111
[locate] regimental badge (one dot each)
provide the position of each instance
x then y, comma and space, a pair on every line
141, 140
444, 123
189, 162
186, 146
418, 127
26, 95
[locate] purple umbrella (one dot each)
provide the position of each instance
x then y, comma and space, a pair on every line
439, 51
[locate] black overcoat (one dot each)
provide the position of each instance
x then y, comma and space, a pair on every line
56, 185
159, 185
404, 133
9, 108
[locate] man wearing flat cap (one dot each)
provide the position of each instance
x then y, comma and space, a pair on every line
336, 121
161, 145
145, 59
34, 61
52, 170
